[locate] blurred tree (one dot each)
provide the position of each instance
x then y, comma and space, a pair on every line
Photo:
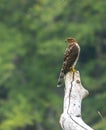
32, 38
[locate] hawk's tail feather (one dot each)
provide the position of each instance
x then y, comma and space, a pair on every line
59, 83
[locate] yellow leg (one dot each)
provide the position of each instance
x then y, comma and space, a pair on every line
73, 69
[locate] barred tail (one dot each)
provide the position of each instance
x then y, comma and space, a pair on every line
59, 83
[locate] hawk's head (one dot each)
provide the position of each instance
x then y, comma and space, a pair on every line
71, 40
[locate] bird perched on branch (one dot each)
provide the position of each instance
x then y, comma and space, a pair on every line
70, 59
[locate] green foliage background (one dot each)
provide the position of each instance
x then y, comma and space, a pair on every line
32, 35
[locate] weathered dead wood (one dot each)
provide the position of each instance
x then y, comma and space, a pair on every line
74, 93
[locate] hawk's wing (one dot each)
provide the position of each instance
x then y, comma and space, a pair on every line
70, 57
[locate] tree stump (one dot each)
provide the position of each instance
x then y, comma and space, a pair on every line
74, 93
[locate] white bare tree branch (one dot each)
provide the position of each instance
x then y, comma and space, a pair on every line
74, 93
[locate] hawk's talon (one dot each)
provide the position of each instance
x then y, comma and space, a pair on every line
73, 69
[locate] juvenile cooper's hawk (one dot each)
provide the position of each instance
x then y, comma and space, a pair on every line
70, 59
